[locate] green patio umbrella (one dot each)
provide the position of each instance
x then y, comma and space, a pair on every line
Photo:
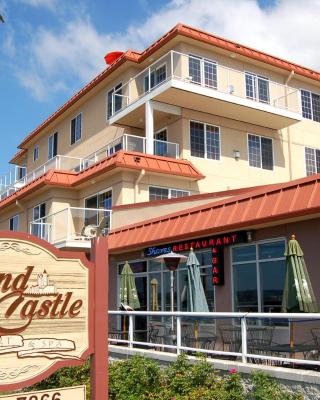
128, 290
298, 294
197, 301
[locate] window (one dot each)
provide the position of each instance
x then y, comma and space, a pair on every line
114, 100
103, 201
39, 225
52, 145
160, 143
257, 88
76, 128
204, 140
159, 193
14, 223
259, 276
203, 72
260, 152
312, 157
310, 103
35, 153
155, 77
21, 171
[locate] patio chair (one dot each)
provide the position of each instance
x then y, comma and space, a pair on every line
259, 340
231, 338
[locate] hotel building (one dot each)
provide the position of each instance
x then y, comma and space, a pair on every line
177, 134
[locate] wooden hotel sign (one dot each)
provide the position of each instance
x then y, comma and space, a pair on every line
45, 310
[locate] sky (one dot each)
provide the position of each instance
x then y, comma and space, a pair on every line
49, 49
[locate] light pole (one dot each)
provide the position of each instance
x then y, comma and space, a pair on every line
171, 261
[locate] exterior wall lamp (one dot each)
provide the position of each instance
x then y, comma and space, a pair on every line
236, 154
249, 236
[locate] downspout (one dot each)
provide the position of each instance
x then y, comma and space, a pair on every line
288, 128
136, 184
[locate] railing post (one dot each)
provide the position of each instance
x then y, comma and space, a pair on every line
149, 79
178, 335
244, 339
130, 331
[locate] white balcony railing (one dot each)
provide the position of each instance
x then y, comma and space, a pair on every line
206, 73
12, 182
248, 337
72, 226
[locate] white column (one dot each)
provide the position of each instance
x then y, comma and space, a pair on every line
149, 127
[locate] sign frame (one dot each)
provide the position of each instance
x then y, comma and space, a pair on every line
59, 255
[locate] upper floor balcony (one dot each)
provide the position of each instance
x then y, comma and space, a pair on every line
72, 227
210, 88
19, 177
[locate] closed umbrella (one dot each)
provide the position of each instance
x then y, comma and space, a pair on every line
298, 295
197, 301
128, 291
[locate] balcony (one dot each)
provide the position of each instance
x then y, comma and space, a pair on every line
72, 227
13, 181
200, 84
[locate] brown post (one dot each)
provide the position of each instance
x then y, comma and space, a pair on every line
99, 359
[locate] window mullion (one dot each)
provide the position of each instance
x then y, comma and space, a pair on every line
259, 297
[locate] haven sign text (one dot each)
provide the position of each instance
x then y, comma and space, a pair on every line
44, 310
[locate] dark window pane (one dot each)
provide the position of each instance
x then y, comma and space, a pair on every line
213, 142
245, 287
210, 74
263, 90
244, 253
197, 139
271, 250
250, 86
254, 151
266, 153
156, 193
272, 280
316, 107
310, 161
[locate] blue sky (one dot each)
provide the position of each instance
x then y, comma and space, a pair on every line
51, 48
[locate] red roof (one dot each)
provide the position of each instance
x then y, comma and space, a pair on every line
18, 155
274, 204
186, 31
121, 159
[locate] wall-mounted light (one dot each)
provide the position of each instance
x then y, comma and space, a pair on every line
249, 236
236, 154
230, 89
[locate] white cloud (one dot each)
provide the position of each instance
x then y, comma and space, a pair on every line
51, 4
289, 29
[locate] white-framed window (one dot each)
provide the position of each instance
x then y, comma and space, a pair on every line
114, 100
76, 129
203, 71
260, 152
160, 145
258, 276
52, 145
157, 75
36, 153
160, 193
312, 158
39, 226
101, 200
257, 88
310, 103
14, 223
205, 140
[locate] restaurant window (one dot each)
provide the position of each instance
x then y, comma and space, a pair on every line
100, 201
52, 145
14, 223
258, 276
203, 71
114, 100
260, 152
257, 88
76, 129
155, 76
310, 103
312, 157
204, 140
159, 193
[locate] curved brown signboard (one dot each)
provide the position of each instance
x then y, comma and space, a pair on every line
45, 309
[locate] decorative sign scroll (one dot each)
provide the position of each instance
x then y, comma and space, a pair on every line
45, 313
72, 393
217, 266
